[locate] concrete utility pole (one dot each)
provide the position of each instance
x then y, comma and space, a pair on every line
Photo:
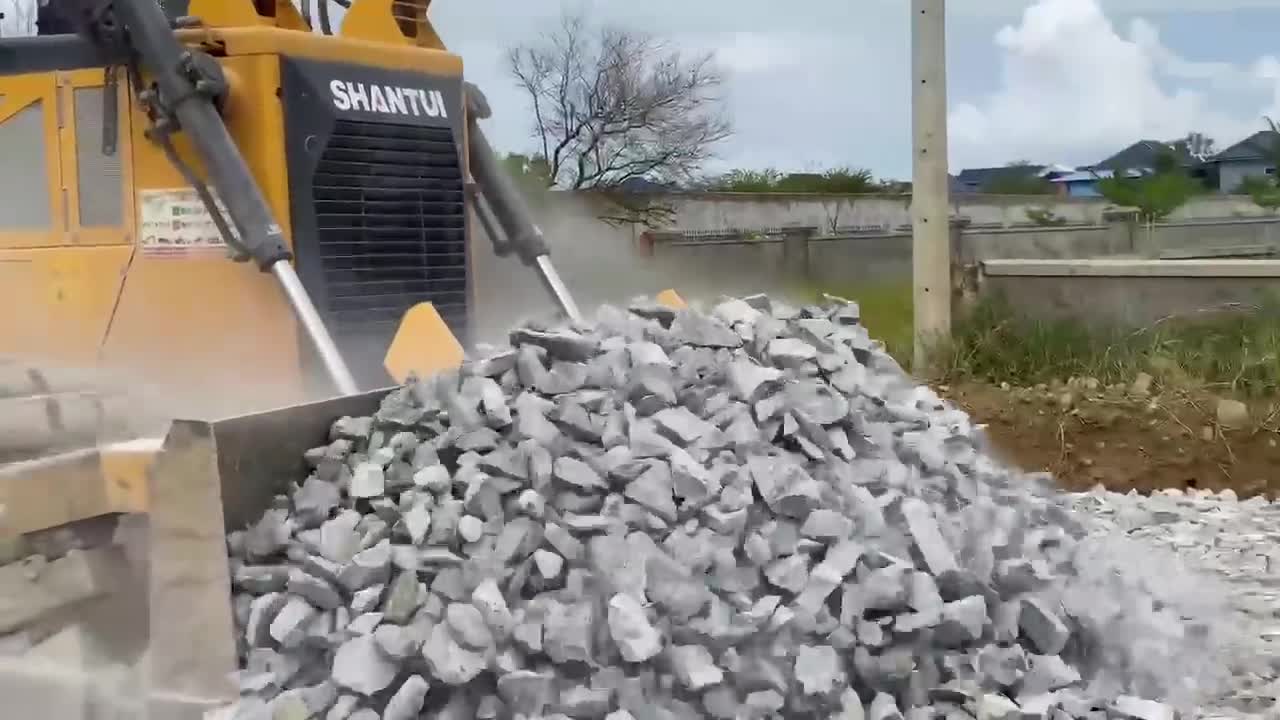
930, 201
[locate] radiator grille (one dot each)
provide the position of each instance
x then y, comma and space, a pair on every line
390, 229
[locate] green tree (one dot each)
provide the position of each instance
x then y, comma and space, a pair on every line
1156, 194
530, 172
1265, 190
746, 181
837, 181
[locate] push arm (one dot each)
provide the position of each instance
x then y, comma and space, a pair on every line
186, 85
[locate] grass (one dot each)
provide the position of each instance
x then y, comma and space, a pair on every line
886, 311
1233, 350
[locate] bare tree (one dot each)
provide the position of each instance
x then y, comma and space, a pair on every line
19, 18
611, 105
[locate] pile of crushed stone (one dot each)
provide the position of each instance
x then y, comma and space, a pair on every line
746, 513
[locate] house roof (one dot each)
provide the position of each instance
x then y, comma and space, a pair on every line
1092, 175
1143, 154
1254, 147
644, 185
979, 178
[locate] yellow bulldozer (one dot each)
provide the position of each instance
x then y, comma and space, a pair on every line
214, 206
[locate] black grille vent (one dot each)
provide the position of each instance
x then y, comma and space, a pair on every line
390, 229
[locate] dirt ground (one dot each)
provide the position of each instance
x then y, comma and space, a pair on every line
1148, 443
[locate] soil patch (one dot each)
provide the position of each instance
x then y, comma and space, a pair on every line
1109, 437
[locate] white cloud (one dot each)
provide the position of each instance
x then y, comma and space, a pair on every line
1073, 89
1004, 8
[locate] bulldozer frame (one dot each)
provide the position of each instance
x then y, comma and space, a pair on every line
126, 569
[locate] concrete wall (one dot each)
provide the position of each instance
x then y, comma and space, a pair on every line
722, 210
1234, 173
887, 258
605, 263
1211, 234
1129, 293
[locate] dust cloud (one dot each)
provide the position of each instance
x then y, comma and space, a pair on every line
600, 264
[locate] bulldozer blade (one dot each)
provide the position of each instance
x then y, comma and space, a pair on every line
423, 345
671, 299
209, 478
140, 624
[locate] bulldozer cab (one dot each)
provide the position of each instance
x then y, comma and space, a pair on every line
113, 573
356, 141
117, 248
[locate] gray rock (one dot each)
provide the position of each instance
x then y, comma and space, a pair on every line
1132, 708
653, 490
433, 478
367, 599
636, 638
997, 707
701, 331
681, 426
449, 661
343, 708
290, 624
360, 667
567, 631
339, 541
693, 666
924, 531
470, 528
367, 568
565, 345
963, 621
818, 669
262, 614
548, 563
529, 691
1043, 627
365, 624
261, 579
315, 500
468, 626
417, 523
319, 592
397, 643
402, 598
488, 599
791, 351
368, 480
884, 707
407, 702
767, 504
1048, 673
827, 525
444, 522
578, 474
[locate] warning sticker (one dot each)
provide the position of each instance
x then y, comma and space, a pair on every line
175, 223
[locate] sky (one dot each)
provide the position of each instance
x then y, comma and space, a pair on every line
826, 83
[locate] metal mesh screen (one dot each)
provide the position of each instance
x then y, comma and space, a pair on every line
101, 189
25, 204
391, 231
